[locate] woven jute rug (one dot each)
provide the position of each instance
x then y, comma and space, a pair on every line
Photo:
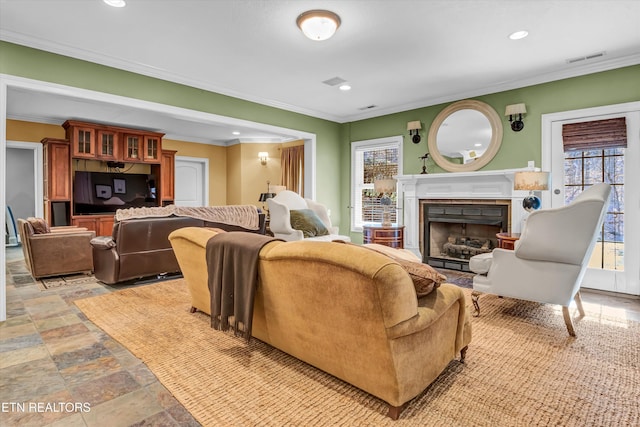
522, 369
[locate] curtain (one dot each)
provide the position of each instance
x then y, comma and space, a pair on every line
292, 163
595, 135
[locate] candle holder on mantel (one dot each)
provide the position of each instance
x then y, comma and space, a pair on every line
424, 163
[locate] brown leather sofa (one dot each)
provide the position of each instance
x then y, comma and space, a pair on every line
140, 247
55, 251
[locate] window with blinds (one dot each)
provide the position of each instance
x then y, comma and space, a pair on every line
594, 152
373, 160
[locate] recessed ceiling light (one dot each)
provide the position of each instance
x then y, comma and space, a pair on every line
519, 35
477, 145
115, 3
235, 132
345, 87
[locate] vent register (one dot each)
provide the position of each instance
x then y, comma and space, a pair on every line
335, 81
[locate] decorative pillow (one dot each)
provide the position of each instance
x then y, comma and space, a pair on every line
308, 222
425, 278
39, 225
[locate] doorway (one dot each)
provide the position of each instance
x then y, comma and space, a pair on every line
624, 277
23, 175
191, 181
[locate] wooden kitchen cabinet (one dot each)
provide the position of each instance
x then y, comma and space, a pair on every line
167, 180
101, 224
108, 145
82, 138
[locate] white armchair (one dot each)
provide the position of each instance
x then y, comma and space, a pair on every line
551, 257
280, 208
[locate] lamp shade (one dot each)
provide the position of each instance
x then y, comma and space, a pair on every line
514, 109
384, 185
318, 24
414, 125
531, 181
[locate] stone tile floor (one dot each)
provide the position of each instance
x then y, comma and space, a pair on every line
50, 353
59, 369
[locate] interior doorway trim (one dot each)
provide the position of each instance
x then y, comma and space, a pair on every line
38, 170
8, 81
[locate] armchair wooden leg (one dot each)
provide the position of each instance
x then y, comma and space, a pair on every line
568, 321
474, 299
578, 300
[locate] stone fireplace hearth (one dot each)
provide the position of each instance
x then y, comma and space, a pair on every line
490, 188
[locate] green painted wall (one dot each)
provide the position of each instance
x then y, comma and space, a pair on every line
605, 88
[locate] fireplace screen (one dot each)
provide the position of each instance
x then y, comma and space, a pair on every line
455, 233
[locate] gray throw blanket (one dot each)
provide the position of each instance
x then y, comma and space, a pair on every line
232, 263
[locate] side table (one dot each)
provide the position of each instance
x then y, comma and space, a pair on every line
507, 240
389, 236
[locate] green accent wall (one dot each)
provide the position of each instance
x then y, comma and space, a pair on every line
333, 149
605, 88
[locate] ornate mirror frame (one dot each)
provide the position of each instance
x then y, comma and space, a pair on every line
494, 144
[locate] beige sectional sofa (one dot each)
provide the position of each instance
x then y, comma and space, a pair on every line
346, 310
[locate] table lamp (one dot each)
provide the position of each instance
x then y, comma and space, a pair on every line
386, 187
532, 181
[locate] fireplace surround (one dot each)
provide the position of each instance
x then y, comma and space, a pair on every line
469, 188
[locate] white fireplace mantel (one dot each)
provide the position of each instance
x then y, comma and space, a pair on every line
488, 185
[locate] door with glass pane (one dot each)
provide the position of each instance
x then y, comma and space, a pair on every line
576, 167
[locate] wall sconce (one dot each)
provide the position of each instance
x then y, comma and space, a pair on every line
511, 111
263, 156
414, 130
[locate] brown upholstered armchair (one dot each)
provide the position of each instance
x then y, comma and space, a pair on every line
55, 251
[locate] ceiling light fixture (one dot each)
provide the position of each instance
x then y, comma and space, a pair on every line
235, 132
345, 87
318, 24
518, 35
115, 3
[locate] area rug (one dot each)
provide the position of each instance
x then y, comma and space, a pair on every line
59, 281
522, 369
461, 278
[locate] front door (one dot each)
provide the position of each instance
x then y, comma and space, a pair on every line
614, 264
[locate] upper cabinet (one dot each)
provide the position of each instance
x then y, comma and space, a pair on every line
83, 139
102, 142
108, 145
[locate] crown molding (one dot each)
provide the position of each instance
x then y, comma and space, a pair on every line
146, 70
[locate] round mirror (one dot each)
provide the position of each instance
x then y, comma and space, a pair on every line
465, 136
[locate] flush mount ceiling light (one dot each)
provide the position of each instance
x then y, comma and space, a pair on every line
345, 87
318, 24
518, 35
115, 3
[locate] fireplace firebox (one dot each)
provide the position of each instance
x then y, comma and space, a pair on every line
454, 232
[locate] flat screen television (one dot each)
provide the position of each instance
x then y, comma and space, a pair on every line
105, 192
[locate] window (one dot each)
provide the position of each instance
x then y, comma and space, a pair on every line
594, 152
371, 160
585, 168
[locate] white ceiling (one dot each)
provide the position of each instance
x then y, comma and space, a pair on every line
397, 55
